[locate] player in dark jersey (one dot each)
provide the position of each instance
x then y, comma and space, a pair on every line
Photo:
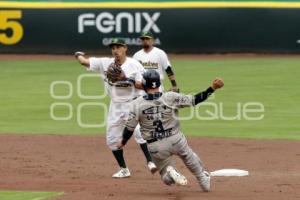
157, 114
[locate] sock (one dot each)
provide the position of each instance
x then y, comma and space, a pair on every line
119, 157
146, 152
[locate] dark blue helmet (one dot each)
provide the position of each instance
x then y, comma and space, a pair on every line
151, 79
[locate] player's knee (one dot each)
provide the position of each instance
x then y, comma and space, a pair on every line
112, 145
140, 140
138, 137
187, 157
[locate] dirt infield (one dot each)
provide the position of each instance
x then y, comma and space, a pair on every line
81, 166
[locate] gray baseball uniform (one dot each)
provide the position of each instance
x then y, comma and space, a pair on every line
158, 118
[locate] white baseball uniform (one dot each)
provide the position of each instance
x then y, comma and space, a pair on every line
156, 59
121, 96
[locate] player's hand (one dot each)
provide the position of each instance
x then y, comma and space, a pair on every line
174, 89
79, 53
217, 83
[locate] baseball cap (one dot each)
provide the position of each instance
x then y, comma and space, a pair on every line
117, 41
147, 34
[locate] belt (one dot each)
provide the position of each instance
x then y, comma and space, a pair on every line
131, 99
155, 139
152, 140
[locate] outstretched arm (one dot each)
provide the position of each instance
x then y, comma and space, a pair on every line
202, 96
129, 129
181, 100
81, 59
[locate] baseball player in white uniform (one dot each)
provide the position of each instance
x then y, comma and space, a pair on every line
154, 58
157, 114
122, 93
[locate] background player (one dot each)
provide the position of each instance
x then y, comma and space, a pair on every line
121, 93
152, 57
157, 114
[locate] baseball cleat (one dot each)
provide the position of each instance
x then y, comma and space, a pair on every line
152, 167
178, 178
123, 173
205, 181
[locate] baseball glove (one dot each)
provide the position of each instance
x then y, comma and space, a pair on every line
115, 73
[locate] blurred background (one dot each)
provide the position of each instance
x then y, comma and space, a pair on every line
33, 26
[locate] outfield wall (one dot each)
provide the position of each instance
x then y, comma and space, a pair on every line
179, 27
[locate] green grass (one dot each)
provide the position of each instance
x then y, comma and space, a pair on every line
25, 98
12, 195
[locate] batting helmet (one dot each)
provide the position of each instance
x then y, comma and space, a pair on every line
151, 79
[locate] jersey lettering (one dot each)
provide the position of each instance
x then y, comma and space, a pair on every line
159, 131
149, 65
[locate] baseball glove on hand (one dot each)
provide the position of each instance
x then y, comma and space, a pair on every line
115, 73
